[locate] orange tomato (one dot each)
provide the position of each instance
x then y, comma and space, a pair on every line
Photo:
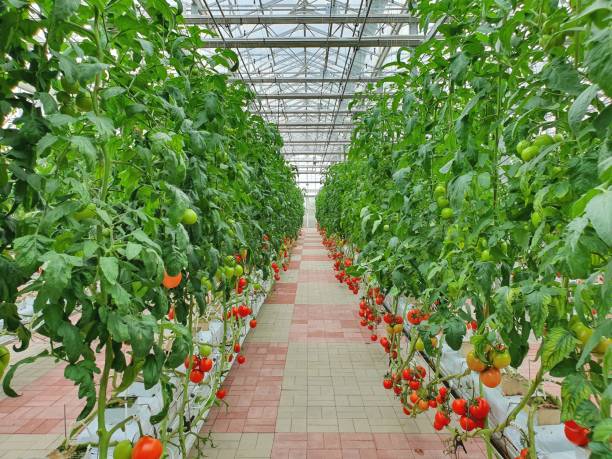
474, 363
172, 281
491, 377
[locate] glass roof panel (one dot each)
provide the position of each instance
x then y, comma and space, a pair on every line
322, 52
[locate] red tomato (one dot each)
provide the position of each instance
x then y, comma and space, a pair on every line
406, 411
147, 448
237, 348
481, 409
205, 365
406, 374
387, 383
441, 418
196, 376
241, 359
414, 385
253, 323
443, 391
459, 406
575, 433
373, 338
467, 423
433, 404
438, 426
193, 363
221, 393
397, 390
171, 313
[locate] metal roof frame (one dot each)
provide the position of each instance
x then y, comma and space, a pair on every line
306, 60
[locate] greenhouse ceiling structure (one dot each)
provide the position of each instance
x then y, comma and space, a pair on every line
306, 61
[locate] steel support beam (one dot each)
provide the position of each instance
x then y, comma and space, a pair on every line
312, 96
315, 42
313, 112
310, 142
295, 80
315, 125
270, 19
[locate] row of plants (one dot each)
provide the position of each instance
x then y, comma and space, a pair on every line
478, 186
139, 198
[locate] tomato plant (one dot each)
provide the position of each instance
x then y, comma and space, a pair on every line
476, 184
130, 170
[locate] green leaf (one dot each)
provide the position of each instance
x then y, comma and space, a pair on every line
59, 119
586, 413
45, 142
84, 145
103, 125
132, 250
150, 371
71, 341
110, 268
82, 374
8, 378
113, 91
29, 249
580, 106
454, 331
599, 212
603, 431
141, 332
117, 326
86, 72
63, 9
557, 346
598, 59
574, 389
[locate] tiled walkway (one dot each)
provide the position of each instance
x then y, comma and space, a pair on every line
311, 386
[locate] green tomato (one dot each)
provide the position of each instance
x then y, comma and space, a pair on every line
89, 211
70, 87
439, 190
386, 228
536, 219
205, 350
230, 261
69, 109
63, 97
583, 333
123, 450
558, 137
602, 346
442, 202
189, 217
529, 153
485, 255
206, 283
5, 355
419, 345
229, 272
447, 213
238, 270
84, 101
521, 146
543, 141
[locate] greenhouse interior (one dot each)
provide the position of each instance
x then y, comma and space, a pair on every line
306, 229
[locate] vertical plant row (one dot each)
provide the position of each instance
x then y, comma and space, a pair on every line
136, 190
479, 187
